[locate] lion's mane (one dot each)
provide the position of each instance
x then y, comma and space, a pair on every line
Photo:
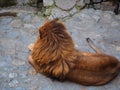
54, 51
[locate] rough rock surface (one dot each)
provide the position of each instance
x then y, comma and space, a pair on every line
65, 4
48, 2
58, 13
80, 3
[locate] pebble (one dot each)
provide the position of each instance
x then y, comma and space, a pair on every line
18, 62
13, 83
16, 23
10, 51
13, 34
80, 3
27, 18
47, 12
65, 4
3, 75
2, 64
21, 47
7, 58
5, 21
7, 43
96, 17
73, 11
48, 2
58, 13
7, 28
23, 75
29, 26
114, 23
36, 19
12, 75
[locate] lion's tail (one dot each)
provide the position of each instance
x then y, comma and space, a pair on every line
93, 46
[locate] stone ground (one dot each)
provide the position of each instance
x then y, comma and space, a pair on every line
16, 33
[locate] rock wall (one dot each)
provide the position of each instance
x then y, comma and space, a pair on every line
65, 8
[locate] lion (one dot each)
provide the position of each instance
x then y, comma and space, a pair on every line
54, 55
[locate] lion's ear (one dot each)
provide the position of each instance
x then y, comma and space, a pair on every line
47, 21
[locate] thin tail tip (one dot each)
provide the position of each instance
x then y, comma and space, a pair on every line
88, 39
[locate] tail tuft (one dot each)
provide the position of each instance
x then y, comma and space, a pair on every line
89, 40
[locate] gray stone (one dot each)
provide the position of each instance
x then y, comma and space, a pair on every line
97, 6
13, 34
48, 2
96, 17
24, 67
10, 51
115, 24
65, 4
26, 38
29, 26
73, 11
27, 18
36, 19
58, 13
21, 48
7, 43
87, 1
80, 3
7, 58
16, 23
3, 74
5, 21
18, 62
13, 83
48, 11
23, 75
2, 64
6, 28
12, 75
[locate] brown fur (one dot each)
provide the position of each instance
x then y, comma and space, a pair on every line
54, 55
53, 51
